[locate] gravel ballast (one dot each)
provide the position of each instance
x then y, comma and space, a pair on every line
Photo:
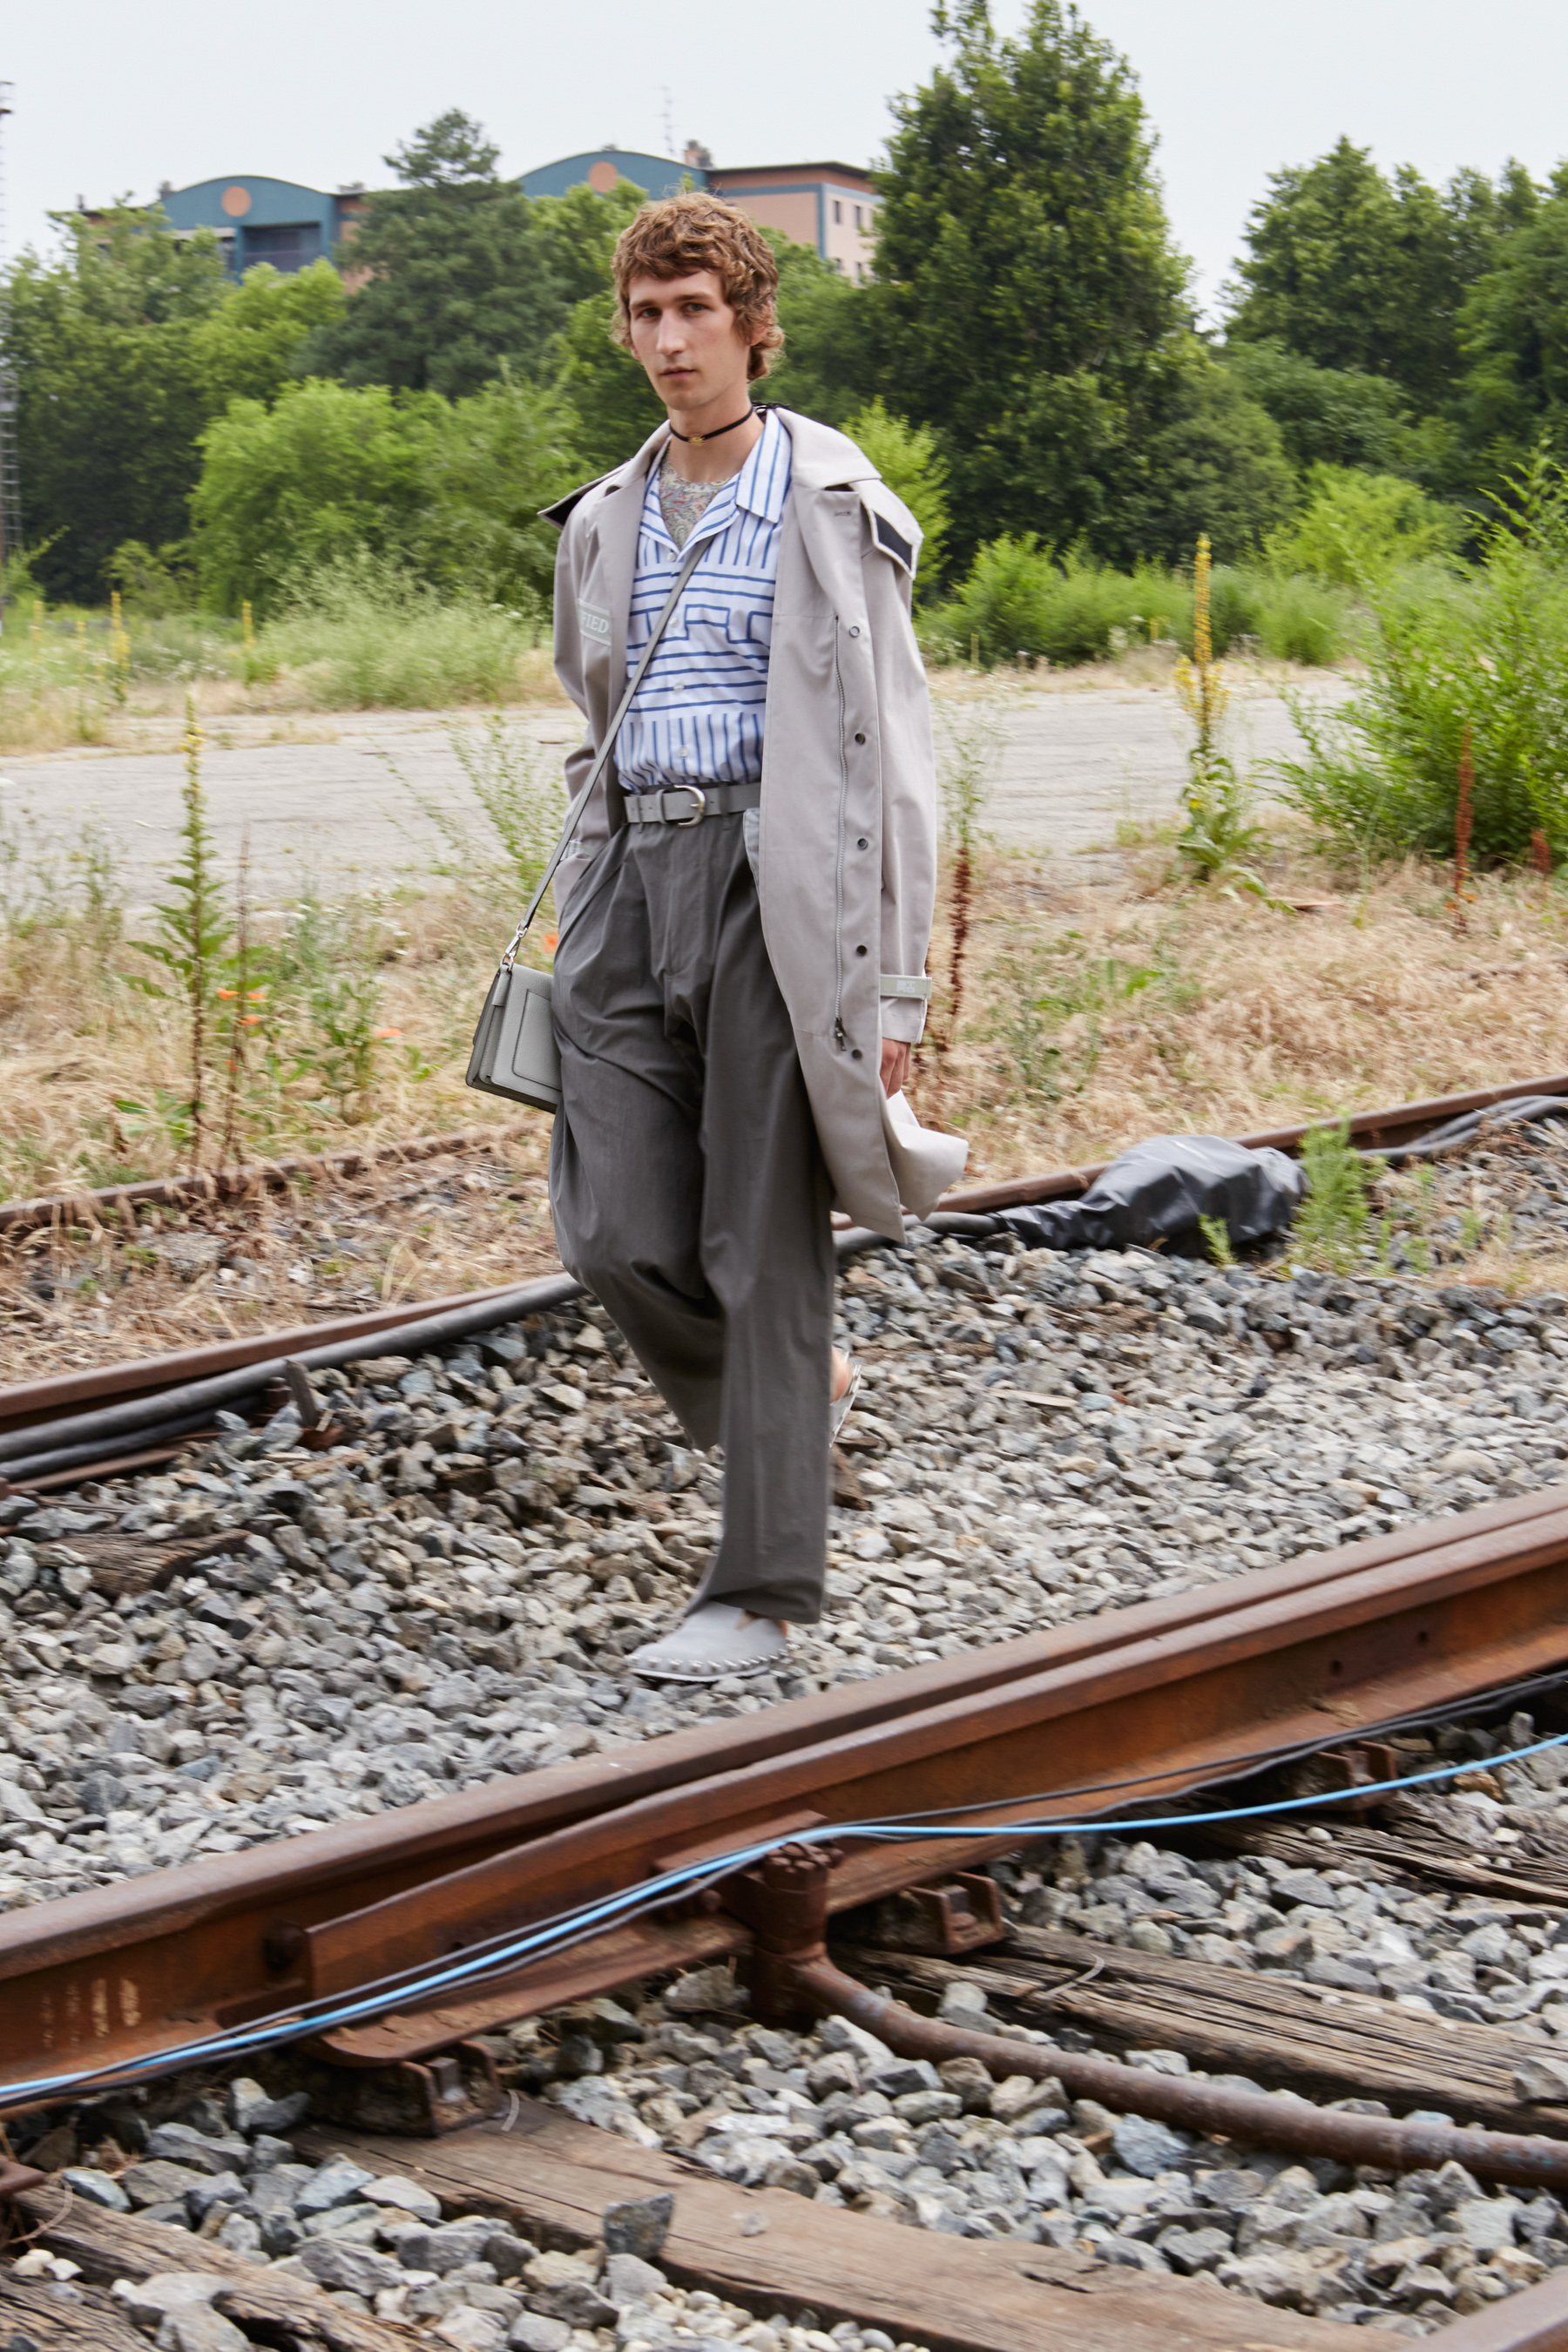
270, 1638
274, 1638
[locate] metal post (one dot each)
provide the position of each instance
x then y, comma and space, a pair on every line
10, 478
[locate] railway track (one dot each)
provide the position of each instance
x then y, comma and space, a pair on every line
155, 1404
394, 1946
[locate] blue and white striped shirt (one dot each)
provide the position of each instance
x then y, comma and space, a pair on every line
698, 716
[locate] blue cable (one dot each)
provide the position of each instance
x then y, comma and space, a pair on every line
651, 1895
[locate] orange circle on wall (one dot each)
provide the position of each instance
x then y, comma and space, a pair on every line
235, 201
603, 178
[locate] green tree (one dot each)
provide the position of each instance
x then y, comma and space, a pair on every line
446, 491
110, 395
245, 348
1514, 330
829, 363
456, 273
329, 468
578, 233
486, 466
1031, 296
1356, 528
1216, 468
1339, 416
1355, 271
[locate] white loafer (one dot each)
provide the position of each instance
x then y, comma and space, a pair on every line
712, 1641
841, 1404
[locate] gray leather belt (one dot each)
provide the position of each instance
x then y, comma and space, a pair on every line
689, 804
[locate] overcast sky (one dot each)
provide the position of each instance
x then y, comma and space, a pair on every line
111, 99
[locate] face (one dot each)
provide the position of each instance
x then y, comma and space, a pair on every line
688, 339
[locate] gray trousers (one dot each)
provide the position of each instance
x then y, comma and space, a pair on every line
688, 1188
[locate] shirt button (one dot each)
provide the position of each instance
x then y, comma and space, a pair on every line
862, 842
855, 631
860, 738
860, 950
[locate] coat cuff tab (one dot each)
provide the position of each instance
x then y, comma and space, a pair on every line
905, 983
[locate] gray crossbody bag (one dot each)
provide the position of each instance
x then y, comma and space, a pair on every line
515, 1053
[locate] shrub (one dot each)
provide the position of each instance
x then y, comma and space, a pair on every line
1356, 528
361, 632
1019, 598
1485, 654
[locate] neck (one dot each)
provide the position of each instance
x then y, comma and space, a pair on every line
714, 461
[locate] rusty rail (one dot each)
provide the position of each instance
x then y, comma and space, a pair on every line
62, 1396
82, 1206
1377, 1129
1157, 1699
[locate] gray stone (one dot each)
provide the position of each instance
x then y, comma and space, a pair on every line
1193, 2250
1147, 2148
359, 2269
201, 2331
628, 2279
1542, 2076
391, 2188
638, 2225
335, 2183
536, 2333
1485, 2223
200, 2151
251, 2109
446, 2248
160, 2182
216, 2189
148, 2301
95, 2188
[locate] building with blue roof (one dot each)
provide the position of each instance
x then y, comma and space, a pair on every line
830, 206
258, 219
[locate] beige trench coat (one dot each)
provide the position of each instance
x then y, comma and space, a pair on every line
848, 822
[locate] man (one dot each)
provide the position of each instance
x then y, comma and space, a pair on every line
744, 913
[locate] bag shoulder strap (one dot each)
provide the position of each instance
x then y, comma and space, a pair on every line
692, 558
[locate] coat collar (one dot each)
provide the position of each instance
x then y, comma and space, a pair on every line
820, 459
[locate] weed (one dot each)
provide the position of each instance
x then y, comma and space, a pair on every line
192, 933
1045, 994
510, 780
1220, 832
1216, 1240
1482, 651
971, 756
361, 632
1331, 1225
326, 972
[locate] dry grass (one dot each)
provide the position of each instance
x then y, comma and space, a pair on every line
96, 1294
1171, 1007
57, 714
1094, 1016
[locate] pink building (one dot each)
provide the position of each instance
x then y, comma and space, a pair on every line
829, 205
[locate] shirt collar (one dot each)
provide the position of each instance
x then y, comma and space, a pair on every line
762, 482
760, 486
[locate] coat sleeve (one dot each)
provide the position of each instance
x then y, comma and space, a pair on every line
890, 539
572, 559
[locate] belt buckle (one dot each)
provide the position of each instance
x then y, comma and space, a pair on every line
700, 812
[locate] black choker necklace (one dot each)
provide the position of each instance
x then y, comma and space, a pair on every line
696, 439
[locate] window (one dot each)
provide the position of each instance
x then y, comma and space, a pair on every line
837, 212
286, 247
857, 220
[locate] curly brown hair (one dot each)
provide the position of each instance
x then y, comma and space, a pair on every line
684, 233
